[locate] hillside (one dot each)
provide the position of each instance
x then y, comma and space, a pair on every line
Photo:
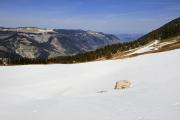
162, 39
152, 47
34, 42
170, 29
86, 91
166, 38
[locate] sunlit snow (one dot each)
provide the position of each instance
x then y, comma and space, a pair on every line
86, 91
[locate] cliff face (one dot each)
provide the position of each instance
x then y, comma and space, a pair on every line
42, 43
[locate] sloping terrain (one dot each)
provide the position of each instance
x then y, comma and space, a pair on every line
86, 91
43, 43
165, 38
152, 47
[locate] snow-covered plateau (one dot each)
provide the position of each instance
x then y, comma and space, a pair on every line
86, 91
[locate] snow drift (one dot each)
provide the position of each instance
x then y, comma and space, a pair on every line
86, 91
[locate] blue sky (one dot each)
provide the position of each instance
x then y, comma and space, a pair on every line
109, 16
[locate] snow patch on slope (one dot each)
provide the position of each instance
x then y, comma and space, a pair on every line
66, 92
27, 30
153, 46
148, 47
45, 30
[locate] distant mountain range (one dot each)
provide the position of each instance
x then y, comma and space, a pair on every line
128, 37
32, 42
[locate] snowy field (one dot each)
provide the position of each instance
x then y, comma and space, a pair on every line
86, 91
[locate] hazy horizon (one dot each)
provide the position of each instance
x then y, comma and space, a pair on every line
109, 16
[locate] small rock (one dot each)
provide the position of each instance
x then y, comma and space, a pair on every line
122, 84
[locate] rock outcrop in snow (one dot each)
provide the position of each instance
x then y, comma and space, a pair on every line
122, 84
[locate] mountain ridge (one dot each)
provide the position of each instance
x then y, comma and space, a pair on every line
44, 43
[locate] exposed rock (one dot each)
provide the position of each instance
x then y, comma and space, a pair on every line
36, 43
122, 84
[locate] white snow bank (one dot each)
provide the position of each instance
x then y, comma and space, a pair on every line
155, 45
166, 43
148, 47
66, 92
45, 30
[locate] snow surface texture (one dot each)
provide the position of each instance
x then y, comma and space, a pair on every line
86, 91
